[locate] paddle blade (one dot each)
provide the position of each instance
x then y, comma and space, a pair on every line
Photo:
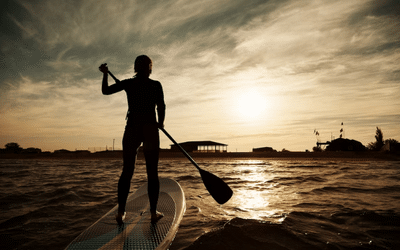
217, 188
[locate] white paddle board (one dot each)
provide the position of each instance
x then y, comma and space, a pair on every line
137, 232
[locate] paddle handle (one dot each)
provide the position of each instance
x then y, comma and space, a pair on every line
115, 79
180, 148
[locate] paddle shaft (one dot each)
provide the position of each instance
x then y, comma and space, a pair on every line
180, 148
217, 188
113, 76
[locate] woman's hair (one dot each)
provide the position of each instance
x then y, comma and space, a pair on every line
143, 64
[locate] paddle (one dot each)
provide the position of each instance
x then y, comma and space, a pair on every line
217, 188
116, 80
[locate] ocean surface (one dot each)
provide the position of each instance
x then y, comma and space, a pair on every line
277, 204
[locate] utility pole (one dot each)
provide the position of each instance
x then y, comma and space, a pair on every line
113, 143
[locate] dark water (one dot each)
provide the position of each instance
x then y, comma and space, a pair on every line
290, 204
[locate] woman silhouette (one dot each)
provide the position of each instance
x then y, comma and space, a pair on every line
144, 96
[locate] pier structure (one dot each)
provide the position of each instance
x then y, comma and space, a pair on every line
202, 147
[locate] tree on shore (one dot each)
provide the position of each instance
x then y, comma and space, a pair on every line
392, 141
13, 147
341, 144
317, 149
378, 144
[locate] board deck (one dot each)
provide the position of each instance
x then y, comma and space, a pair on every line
138, 232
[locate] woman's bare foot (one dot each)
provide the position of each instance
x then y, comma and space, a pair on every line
120, 217
156, 216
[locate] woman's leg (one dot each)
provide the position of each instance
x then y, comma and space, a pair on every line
151, 145
131, 142
153, 187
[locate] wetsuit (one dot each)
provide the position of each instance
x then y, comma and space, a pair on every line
144, 95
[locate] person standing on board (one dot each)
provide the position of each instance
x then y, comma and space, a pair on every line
144, 97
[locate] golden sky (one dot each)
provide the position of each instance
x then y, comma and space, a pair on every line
245, 73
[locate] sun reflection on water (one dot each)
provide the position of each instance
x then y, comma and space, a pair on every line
257, 193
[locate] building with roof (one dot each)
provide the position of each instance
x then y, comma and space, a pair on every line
264, 149
202, 147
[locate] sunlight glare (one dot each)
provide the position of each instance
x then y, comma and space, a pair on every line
251, 104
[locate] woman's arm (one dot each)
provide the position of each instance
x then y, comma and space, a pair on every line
160, 107
105, 89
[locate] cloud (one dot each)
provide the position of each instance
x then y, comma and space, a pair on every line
49, 110
306, 58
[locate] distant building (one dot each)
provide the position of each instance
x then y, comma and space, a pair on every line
393, 147
341, 144
32, 151
319, 144
264, 149
201, 147
62, 151
82, 152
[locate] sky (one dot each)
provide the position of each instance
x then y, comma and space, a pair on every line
249, 74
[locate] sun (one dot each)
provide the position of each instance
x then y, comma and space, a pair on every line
251, 104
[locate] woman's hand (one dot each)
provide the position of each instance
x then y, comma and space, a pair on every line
103, 68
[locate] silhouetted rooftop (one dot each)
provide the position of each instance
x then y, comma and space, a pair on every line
202, 143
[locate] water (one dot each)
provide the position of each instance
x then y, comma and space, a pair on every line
277, 204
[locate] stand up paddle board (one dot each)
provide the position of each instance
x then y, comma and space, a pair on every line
137, 232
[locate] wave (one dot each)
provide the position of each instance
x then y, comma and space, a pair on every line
187, 178
306, 166
302, 230
241, 233
288, 181
396, 178
320, 206
308, 204
340, 189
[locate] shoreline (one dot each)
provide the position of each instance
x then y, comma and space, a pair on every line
356, 156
